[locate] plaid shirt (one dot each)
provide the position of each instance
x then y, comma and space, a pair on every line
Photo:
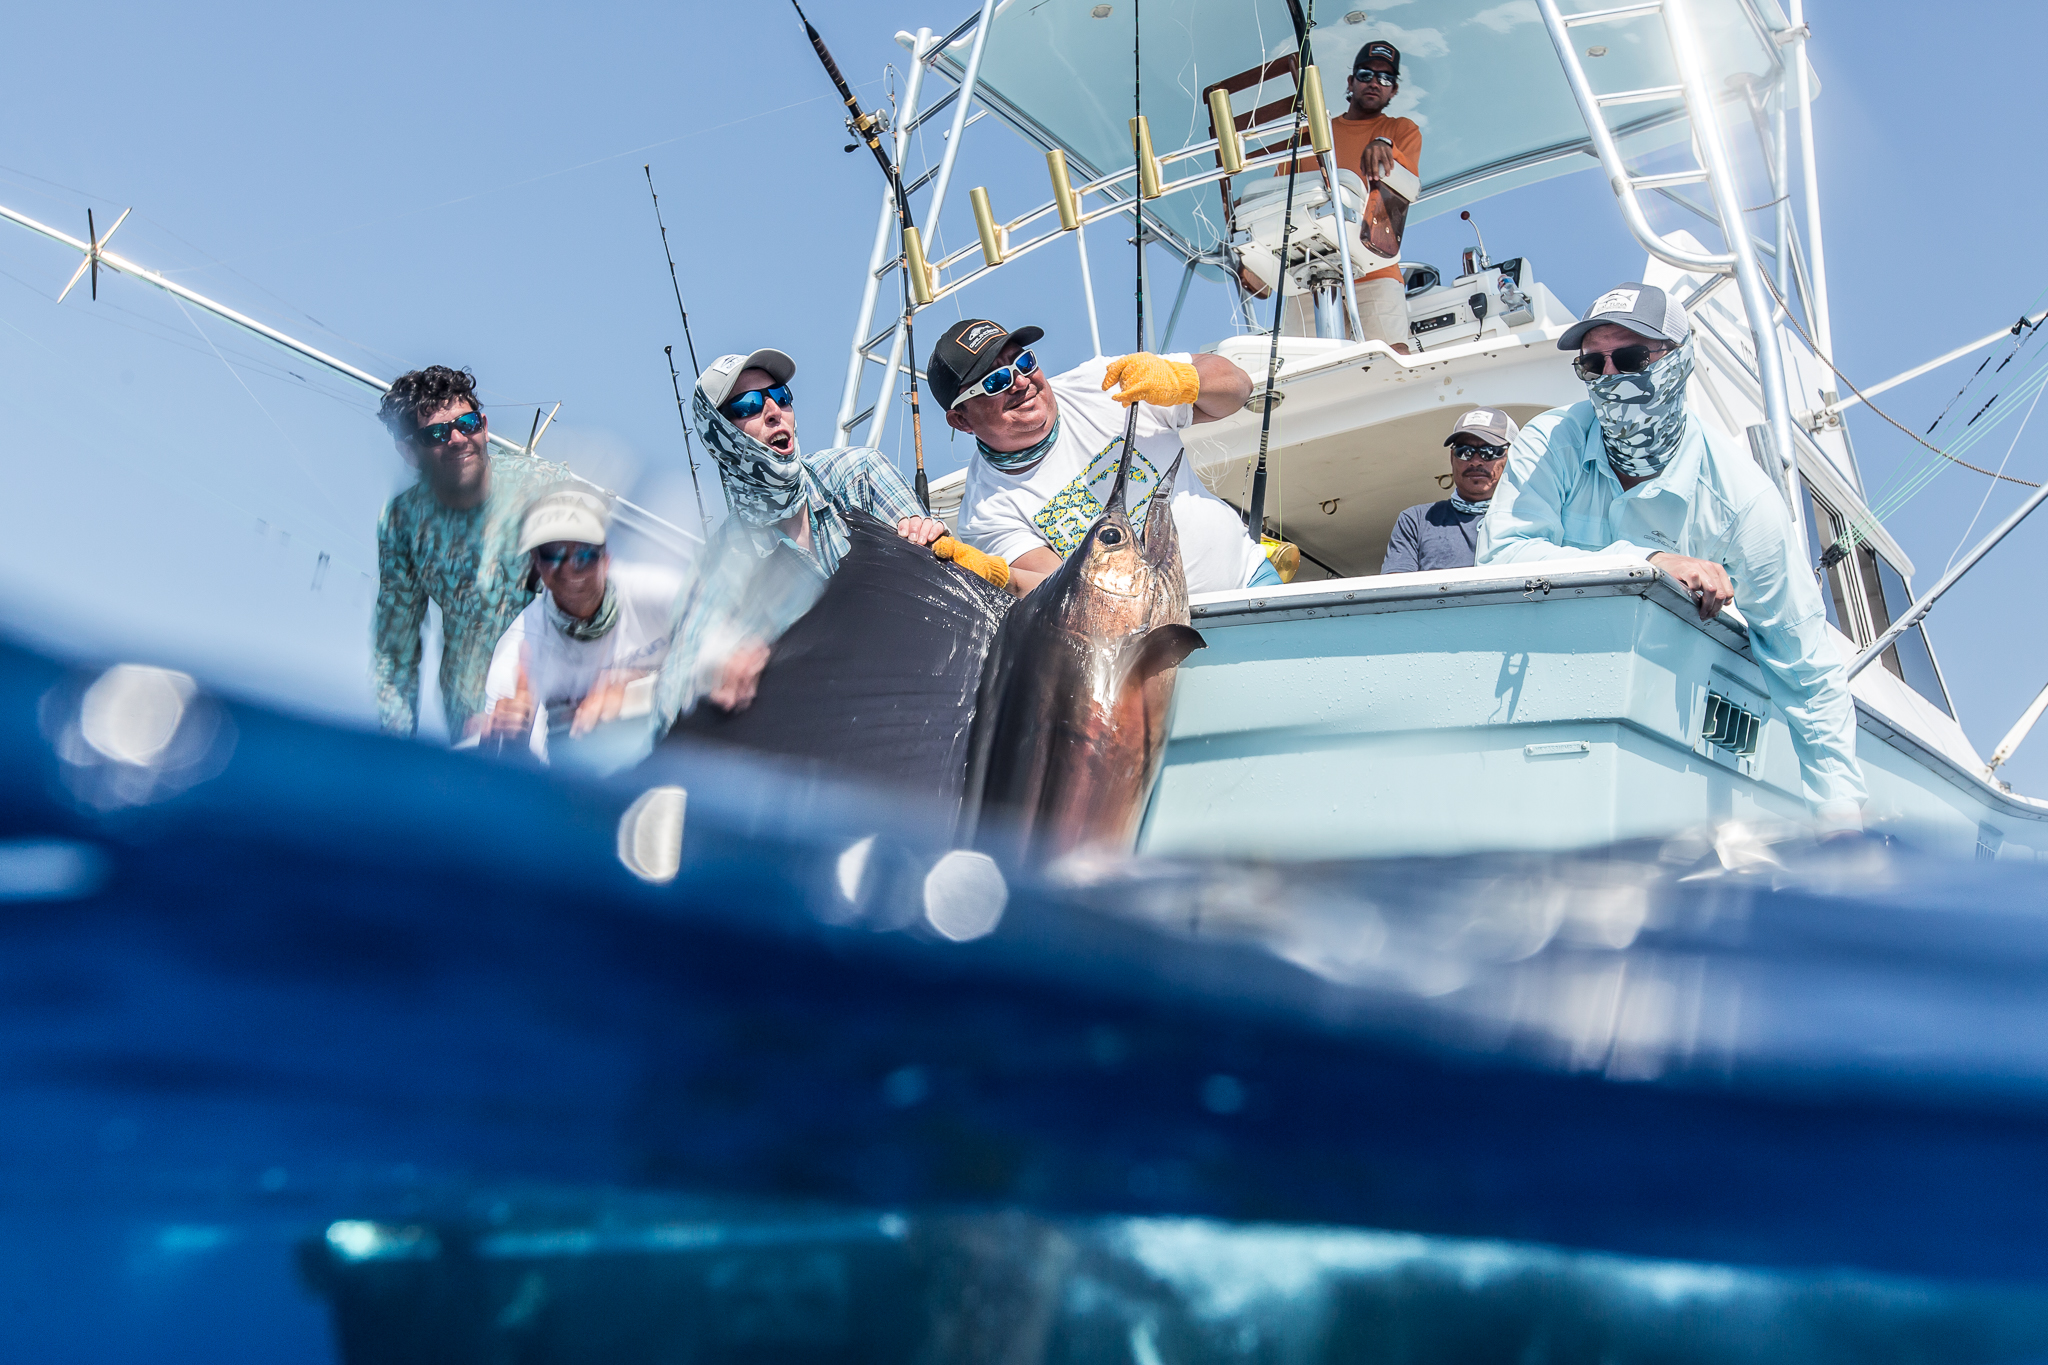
468, 563
757, 581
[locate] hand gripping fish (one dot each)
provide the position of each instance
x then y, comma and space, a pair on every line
1070, 725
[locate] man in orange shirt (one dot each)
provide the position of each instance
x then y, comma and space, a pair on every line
1372, 144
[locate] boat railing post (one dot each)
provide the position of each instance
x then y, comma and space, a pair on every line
856, 364
1756, 301
1816, 259
962, 98
1087, 284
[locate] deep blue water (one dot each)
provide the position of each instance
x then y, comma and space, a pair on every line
278, 975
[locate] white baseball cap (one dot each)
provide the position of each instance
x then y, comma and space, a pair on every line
564, 513
721, 374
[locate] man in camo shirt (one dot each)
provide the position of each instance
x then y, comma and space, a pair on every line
453, 537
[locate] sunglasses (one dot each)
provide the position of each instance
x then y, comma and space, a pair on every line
1627, 360
1365, 75
999, 380
1464, 452
751, 403
582, 557
441, 433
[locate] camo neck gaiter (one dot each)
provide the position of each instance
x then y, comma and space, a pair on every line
1470, 509
1642, 416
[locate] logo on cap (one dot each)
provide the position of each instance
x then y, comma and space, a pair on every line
1616, 301
978, 336
1477, 417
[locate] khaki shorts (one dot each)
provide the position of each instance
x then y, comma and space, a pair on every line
1382, 309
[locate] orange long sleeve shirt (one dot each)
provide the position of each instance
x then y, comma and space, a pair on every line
1351, 136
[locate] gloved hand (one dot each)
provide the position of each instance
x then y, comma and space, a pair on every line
982, 565
1148, 378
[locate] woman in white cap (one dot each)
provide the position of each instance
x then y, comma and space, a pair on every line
585, 650
1632, 470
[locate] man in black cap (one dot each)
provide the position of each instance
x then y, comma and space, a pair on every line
1047, 450
1375, 146
1633, 471
1445, 535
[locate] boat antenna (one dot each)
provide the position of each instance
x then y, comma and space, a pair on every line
675, 380
868, 128
1303, 24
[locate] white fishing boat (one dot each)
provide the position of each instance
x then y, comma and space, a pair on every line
1349, 713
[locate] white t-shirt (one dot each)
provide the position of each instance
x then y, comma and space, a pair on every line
561, 671
1055, 502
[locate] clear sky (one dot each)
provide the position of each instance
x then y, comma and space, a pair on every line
420, 183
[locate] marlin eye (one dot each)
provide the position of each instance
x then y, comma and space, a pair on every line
1112, 536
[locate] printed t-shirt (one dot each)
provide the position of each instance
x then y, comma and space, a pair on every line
561, 670
1353, 135
1054, 502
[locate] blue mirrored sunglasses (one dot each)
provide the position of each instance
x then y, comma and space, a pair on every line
999, 380
1365, 75
581, 557
749, 404
440, 433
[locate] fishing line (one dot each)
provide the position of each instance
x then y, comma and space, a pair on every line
1991, 488
282, 433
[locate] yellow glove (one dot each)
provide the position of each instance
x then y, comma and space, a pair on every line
988, 566
1148, 378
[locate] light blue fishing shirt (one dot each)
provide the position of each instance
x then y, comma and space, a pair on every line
1559, 498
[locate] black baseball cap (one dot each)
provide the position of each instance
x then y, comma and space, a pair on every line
970, 349
1383, 51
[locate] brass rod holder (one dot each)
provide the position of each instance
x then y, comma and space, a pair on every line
1229, 146
1312, 108
985, 225
1063, 191
1149, 176
921, 274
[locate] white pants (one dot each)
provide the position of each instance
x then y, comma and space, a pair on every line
1382, 309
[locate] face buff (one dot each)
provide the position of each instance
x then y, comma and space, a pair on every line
1010, 461
1470, 509
601, 621
1642, 416
765, 487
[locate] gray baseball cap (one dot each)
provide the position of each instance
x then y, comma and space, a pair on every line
1490, 425
1639, 307
721, 374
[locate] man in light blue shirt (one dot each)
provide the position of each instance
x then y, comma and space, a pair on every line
1631, 471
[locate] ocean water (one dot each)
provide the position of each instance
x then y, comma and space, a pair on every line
315, 1046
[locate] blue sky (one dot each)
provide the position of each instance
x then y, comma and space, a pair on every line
408, 184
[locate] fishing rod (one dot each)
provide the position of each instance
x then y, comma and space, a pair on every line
1138, 143
675, 381
674, 283
868, 128
1302, 25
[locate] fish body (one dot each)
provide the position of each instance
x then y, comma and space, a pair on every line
1070, 725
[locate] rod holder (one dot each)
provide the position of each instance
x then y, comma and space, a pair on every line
1063, 191
985, 225
1229, 146
1149, 176
1319, 136
921, 273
